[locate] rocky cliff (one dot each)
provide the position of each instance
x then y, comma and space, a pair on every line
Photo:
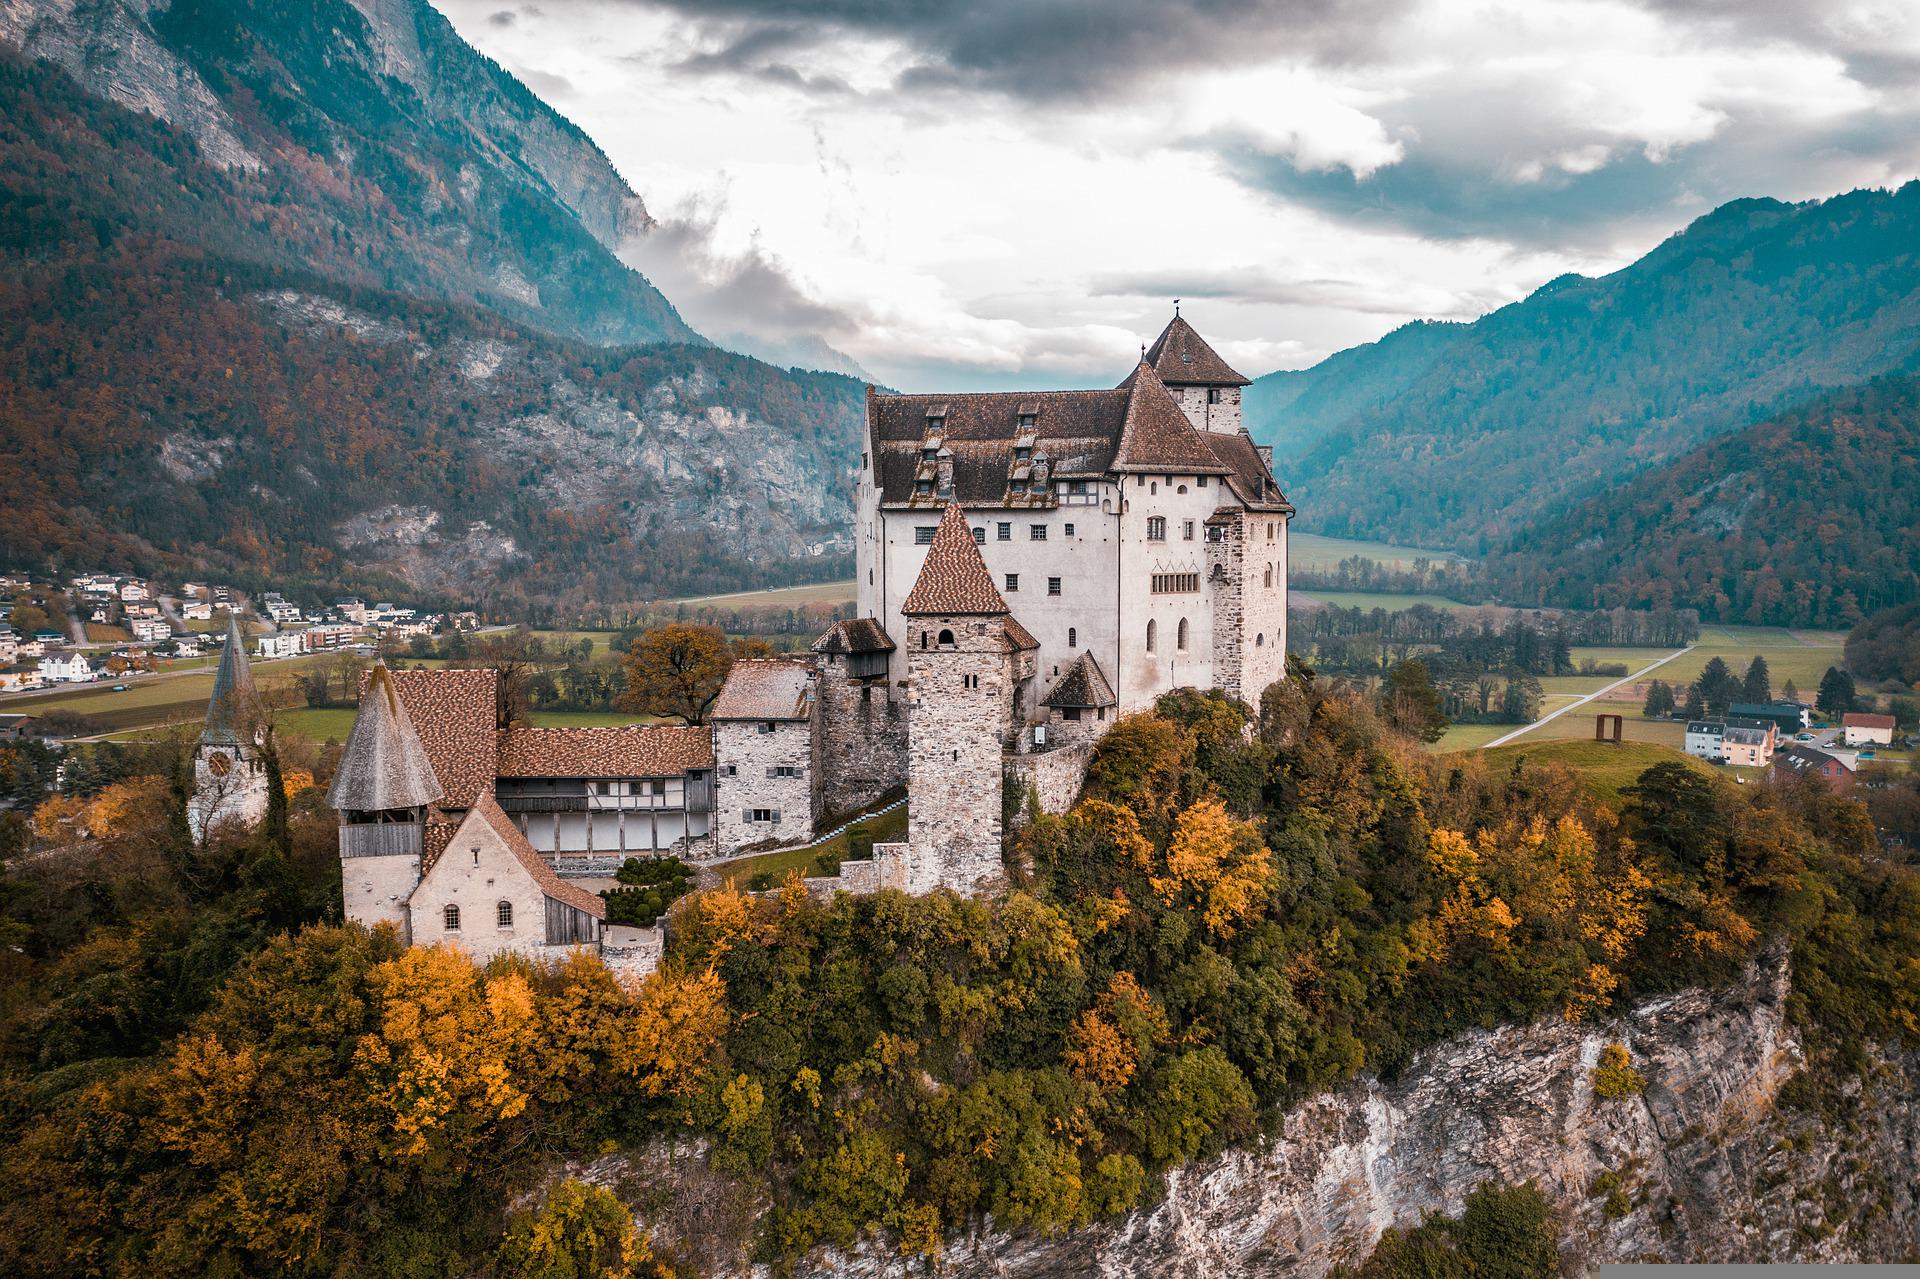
1711, 1162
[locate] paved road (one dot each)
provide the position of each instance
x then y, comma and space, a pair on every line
1601, 692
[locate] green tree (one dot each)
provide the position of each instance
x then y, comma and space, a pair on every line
1696, 706
1659, 700
581, 1232
1718, 686
1758, 685
1837, 695
1409, 702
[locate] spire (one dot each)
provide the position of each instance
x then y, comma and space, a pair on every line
1182, 357
235, 701
954, 580
384, 766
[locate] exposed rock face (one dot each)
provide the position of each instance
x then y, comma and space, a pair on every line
1710, 1167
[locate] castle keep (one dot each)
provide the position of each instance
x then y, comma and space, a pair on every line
1031, 566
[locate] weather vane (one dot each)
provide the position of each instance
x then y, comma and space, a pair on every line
1176, 307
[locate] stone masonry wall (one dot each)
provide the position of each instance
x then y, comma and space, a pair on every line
740, 746
955, 735
1248, 571
863, 740
1055, 776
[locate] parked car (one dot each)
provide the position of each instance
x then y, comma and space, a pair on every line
119, 688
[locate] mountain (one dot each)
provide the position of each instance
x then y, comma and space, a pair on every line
1811, 518
316, 296
368, 142
1459, 435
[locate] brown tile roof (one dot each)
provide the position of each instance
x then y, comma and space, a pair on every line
1158, 435
954, 580
384, 766
453, 714
855, 635
1860, 719
642, 750
764, 688
1075, 431
1182, 358
1019, 636
1247, 472
1084, 684
486, 810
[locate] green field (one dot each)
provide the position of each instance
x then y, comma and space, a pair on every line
1312, 551
1372, 600
779, 597
149, 701
1604, 768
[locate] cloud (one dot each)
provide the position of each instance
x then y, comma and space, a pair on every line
1266, 286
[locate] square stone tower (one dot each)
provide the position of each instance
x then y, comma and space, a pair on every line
967, 662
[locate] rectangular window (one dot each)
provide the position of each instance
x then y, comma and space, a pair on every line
1213, 395
1070, 713
761, 814
1053, 586
764, 729
1200, 481
1006, 532
1069, 530
923, 534
970, 681
660, 786
783, 771
1156, 528
1037, 533
1175, 583
980, 536
1186, 530
1013, 581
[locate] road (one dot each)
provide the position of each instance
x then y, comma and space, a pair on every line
1572, 706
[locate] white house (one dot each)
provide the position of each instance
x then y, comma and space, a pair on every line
66, 668
1867, 730
287, 644
16, 678
150, 630
197, 611
1704, 738
132, 591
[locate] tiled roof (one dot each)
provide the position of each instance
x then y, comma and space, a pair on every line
855, 635
1859, 719
1803, 758
1084, 684
1247, 472
643, 750
384, 766
486, 810
764, 688
1745, 735
1182, 358
1075, 431
954, 580
1019, 636
1157, 434
453, 714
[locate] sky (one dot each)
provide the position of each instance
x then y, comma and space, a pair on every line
961, 194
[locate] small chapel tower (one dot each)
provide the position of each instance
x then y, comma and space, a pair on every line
967, 663
230, 780
382, 790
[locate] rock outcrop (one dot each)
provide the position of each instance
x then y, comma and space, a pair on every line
1705, 1164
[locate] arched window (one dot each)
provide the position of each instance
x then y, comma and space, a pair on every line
1269, 577
926, 640
1154, 487
1073, 637
946, 639
450, 917
1152, 628
505, 913
1180, 636
1181, 489
1260, 641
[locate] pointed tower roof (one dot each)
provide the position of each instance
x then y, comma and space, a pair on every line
384, 765
954, 580
1084, 685
234, 700
1157, 434
1182, 358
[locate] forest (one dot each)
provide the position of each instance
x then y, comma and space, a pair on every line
204, 1072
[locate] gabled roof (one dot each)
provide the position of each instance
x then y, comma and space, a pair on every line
1248, 474
235, 701
763, 688
488, 812
1860, 719
640, 750
1083, 685
1182, 358
954, 579
1801, 758
855, 635
384, 766
1019, 638
1157, 435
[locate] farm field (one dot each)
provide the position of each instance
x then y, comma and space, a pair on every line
149, 700
780, 597
1312, 551
1373, 600
1464, 737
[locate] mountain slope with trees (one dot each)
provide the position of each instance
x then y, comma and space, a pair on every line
1811, 518
1461, 435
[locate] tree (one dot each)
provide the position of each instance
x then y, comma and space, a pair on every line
1520, 703
1790, 693
1696, 706
677, 670
1717, 686
582, 1232
1409, 703
1659, 700
1837, 695
1758, 685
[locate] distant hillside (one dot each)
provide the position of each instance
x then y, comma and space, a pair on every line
1809, 519
162, 413
1459, 435
364, 141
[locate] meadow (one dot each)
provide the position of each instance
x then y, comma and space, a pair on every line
1311, 551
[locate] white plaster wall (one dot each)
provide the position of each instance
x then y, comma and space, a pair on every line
1142, 676
374, 890
476, 873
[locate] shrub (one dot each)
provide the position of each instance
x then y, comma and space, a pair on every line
1615, 1076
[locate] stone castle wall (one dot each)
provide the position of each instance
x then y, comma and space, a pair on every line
954, 769
863, 739
1053, 776
743, 781
1247, 571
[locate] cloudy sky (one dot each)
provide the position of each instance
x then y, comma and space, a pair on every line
977, 193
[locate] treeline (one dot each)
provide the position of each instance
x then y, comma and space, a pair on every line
1454, 578
1471, 642
1245, 907
1886, 647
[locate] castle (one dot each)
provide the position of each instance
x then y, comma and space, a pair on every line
1031, 566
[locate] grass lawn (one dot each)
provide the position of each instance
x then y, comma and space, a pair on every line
779, 597
1373, 600
1579, 685
1578, 726
149, 700
602, 640
323, 724
1604, 768
887, 828
101, 633
1312, 551
1464, 737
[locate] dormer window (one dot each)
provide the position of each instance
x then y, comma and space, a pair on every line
1026, 421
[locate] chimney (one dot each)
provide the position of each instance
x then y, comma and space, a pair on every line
1266, 454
